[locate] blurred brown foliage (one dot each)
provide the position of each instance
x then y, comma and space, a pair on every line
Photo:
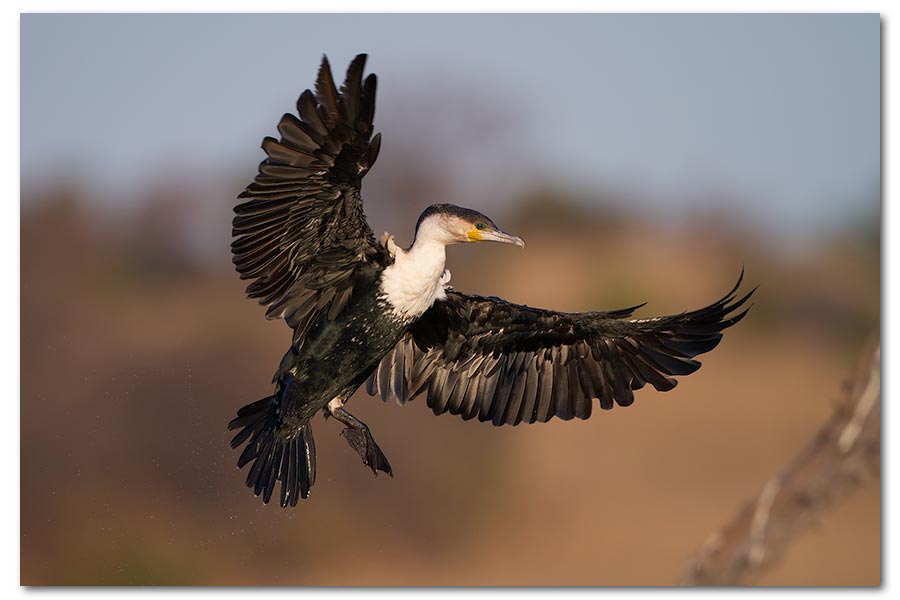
138, 346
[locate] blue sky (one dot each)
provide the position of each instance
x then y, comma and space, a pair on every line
775, 118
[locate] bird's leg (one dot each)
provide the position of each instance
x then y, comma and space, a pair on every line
360, 438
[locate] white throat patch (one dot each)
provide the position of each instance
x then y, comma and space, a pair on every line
415, 280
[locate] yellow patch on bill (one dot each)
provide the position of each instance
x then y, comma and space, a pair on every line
474, 235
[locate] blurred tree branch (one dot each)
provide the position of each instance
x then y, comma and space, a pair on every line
842, 455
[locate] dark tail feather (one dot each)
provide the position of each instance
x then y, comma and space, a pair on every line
275, 456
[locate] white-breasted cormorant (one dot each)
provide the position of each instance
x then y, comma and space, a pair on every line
363, 310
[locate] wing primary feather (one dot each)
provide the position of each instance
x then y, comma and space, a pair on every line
367, 114
372, 152
351, 90
306, 108
327, 93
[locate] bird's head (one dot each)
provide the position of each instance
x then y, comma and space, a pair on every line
450, 224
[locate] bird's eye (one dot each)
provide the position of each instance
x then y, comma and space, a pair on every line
479, 225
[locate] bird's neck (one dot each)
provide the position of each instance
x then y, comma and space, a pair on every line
417, 278
428, 251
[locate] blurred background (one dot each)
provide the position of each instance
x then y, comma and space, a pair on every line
643, 158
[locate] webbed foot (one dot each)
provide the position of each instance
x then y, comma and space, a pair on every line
360, 438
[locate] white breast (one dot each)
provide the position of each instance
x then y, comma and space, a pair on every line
416, 279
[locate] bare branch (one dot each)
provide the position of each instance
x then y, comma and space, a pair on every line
842, 455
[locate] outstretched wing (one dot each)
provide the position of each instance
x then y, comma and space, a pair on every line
301, 233
505, 363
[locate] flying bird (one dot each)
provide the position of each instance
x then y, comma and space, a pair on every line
374, 313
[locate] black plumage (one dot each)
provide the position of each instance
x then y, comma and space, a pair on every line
510, 364
375, 314
301, 233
